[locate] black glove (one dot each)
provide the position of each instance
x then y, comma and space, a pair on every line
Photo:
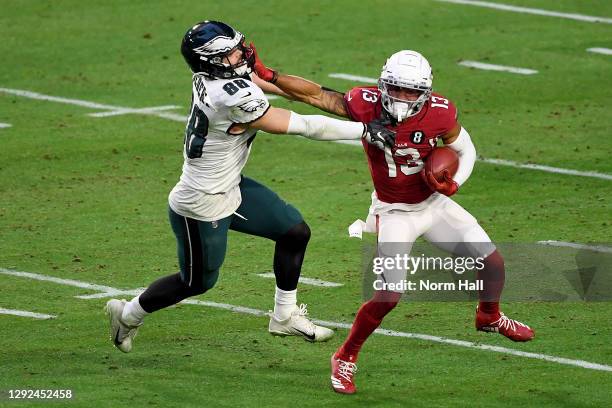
376, 134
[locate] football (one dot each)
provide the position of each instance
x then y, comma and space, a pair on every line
440, 159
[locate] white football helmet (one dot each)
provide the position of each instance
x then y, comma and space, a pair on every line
405, 69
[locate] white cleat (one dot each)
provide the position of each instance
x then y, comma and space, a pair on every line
299, 325
120, 334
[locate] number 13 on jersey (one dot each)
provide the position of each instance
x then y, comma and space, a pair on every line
413, 165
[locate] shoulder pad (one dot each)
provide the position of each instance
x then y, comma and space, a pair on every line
246, 102
363, 103
443, 111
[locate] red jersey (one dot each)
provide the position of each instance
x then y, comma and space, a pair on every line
395, 171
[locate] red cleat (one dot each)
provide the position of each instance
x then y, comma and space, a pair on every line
342, 372
499, 323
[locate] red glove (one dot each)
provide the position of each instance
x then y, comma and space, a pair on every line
448, 187
265, 73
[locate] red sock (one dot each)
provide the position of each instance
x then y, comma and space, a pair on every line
493, 276
368, 318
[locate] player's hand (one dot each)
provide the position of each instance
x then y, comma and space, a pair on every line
448, 186
265, 73
376, 134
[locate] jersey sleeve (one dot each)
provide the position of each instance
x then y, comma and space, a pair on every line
444, 114
362, 103
248, 104
450, 118
350, 107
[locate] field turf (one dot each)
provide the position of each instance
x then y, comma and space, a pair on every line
85, 198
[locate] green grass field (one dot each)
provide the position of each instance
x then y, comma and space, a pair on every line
85, 198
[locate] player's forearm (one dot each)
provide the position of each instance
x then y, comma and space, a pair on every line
301, 89
269, 88
467, 156
320, 127
313, 94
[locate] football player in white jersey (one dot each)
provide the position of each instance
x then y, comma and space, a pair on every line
212, 196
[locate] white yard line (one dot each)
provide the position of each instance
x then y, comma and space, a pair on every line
41, 97
181, 118
23, 313
604, 51
493, 67
527, 10
5, 125
145, 111
67, 282
113, 293
306, 281
548, 169
339, 325
118, 110
595, 248
354, 78
110, 110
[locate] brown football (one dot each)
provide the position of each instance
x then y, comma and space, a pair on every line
440, 159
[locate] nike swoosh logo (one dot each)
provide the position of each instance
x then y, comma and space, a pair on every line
379, 134
244, 96
308, 336
349, 97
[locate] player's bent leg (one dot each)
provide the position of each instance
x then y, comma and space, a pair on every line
397, 231
457, 231
368, 318
488, 317
263, 213
289, 251
201, 249
287, 318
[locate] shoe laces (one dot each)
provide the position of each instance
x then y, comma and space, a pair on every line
346, 369
504, 322
302, 311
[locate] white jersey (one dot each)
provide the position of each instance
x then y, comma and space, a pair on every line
208, 188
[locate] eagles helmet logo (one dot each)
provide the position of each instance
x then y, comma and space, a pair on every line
252, 105
218, 45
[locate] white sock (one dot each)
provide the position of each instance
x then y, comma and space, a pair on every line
284, 303
133, 313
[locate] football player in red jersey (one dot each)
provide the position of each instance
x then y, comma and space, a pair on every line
407, 204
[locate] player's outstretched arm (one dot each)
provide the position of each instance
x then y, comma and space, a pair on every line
301, 89
319, 127
269, 87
